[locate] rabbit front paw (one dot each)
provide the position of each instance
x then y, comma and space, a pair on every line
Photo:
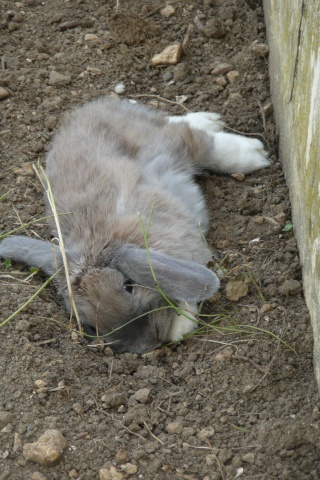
183, 324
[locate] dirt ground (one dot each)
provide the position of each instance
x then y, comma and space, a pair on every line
219, 405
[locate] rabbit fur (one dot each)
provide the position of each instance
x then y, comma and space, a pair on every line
114, 166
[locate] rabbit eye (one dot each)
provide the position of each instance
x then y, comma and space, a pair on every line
128, 286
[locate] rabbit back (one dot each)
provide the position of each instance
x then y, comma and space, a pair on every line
111, 160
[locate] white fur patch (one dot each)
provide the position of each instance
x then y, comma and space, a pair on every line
238, 153
180, 325
205, 121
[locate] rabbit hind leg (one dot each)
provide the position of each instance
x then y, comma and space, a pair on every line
219, 151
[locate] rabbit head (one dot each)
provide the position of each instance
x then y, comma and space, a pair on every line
119, 297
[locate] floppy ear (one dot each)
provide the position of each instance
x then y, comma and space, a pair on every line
35, 253
178, 279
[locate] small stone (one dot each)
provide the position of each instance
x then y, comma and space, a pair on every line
91, 37
9, 427
236, 289
221, 81
247, 389
73, 473
19, 17
205, 433
214, 28
290, 287
233, 75
110, 474
122, 456
17, 443
249, 457
26, 170
211, 460
94, 71
180, 99
267, 307
142, 395
222, 68
108, 352
40, 383
260, 49
167, 76
5, 419
175, 428
129, 468
239, 472
52, 103
56, 78
105, 474
74, 336
259, 220
47, 450
77, 407
240, 177
227, 353
13, 26
281, 218
3, 93
224, 419
271, 221
23, 326
37, 476
168, 11
219, 357
169, 56
192, 357
180, 72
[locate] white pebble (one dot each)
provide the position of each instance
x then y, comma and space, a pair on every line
120, 88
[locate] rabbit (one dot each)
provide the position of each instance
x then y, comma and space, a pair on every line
115, 168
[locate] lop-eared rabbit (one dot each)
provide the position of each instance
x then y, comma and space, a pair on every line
114, 167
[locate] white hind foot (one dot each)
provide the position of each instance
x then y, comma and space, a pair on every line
180, 325
204, 121
235, 153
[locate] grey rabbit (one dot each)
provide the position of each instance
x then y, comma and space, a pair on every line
114, 166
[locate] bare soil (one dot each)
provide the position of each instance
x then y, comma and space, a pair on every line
221, 405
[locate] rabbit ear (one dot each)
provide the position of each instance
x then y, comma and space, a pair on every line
36, 253
178, 279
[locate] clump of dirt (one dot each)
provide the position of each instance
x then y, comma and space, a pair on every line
220, 405
130, 29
